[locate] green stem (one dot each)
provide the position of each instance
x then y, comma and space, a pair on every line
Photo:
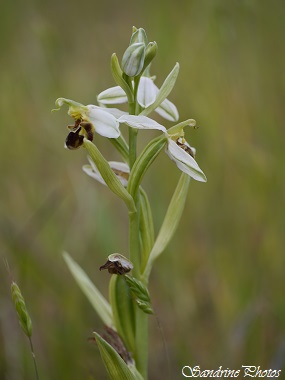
141, 342
34, 358
132, 146
141, 334
133, 110
134, 241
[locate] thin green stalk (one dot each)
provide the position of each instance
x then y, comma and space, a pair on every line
134, 241
132, 146
34, 358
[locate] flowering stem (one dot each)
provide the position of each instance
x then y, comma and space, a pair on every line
134, 243
132, 146
141, 334
141, 341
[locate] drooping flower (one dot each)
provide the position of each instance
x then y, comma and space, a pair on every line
179, 151
88, 120
147, 93
121, 169
117, 264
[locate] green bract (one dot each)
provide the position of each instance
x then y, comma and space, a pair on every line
96, 299
108, 175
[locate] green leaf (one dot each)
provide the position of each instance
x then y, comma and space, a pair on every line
123, 310
96, 299
112, 95
108, 175
116, 367
164, 90
143, 162
118, 77
170, 223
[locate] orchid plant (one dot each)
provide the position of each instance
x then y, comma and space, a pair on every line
124, 344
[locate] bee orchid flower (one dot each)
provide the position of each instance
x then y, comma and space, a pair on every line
88, 120
104, 121
179, 151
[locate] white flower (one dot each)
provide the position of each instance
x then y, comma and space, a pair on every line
147, 93
121, 169
104, 121
182, 154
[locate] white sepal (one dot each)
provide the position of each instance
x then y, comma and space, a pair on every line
184, 161
141, 122
113, 95
147, 92
168, 110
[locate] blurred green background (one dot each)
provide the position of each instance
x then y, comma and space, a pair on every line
218, 290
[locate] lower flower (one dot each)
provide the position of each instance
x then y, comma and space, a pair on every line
179, 151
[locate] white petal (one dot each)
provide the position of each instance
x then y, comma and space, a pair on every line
93, 172
104, 123
114, 111
168, 110
89, 170
147, 92
184, 161
113, 95
141, 122
122, 166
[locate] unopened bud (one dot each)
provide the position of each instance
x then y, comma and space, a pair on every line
138, 36
150, 53
133, 59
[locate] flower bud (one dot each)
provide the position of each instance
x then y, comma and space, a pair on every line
133, 59
150, 53
138, 36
